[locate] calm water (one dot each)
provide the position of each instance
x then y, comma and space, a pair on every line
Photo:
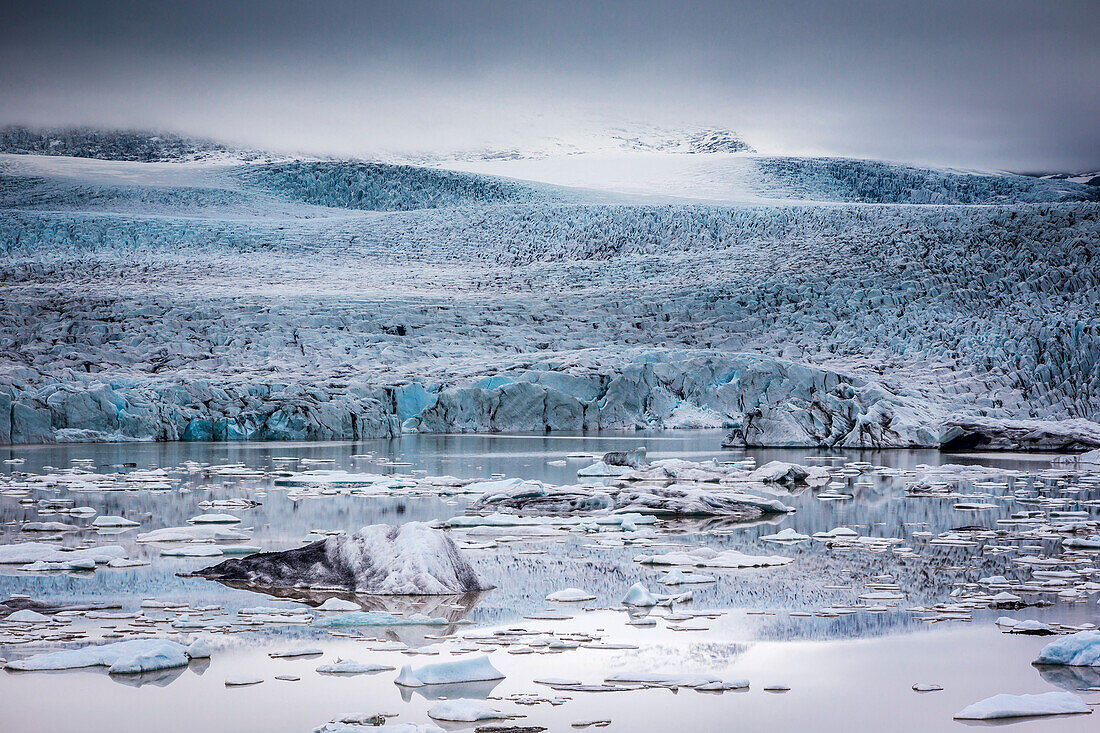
851, 672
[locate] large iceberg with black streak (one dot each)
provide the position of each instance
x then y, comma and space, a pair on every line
383, 559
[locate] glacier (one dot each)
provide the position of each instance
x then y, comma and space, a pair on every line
220, 295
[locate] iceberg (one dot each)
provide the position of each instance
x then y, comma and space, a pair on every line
382, 559
1076, 650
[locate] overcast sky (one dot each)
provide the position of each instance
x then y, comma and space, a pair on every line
997, 84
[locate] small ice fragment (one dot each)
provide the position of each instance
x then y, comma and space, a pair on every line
241, 679
114, 522
289, 653
338, 604
926, 687
214, 519
570, 595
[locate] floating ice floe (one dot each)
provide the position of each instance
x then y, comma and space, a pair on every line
625, 522
196, 533
242, 679
464, 711
27, 616
638, 595
785, 535
196, 551
669, 680
350, 666
341, 727
123, 657
379, 618
291, 653
472, 669
679, 577
1021, 706
706, 557
214, 518
29, 552
674, 500
105, 522
836, 533
789, 474
1082, 543
48, 527
1076, 650
338, 604
410, 559
570, 595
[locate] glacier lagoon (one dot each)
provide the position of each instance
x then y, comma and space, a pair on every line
849, 627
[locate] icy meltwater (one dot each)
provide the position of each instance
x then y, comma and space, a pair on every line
898, 576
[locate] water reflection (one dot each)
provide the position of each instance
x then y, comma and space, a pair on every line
527, 570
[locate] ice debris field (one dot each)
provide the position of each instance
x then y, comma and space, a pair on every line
156, 289
295, 586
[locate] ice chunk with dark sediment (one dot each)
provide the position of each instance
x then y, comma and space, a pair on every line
383, 559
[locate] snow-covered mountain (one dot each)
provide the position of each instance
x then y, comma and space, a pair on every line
664, 282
